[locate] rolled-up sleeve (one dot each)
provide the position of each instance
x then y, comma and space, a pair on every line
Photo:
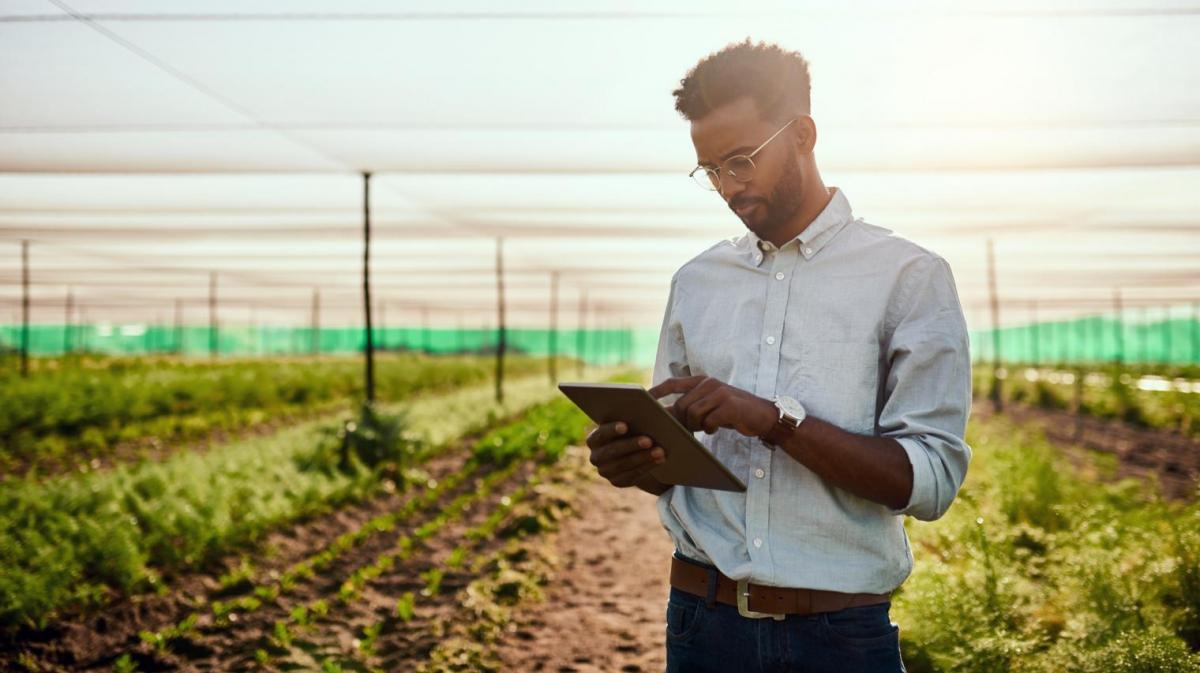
671, 359
927, 395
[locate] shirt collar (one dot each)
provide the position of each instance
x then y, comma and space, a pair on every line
814, 237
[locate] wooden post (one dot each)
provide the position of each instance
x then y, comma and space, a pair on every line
553, 334
370, 346
24, 308
501, 343
997, 403
212, 314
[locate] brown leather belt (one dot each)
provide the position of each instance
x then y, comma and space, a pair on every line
756, 600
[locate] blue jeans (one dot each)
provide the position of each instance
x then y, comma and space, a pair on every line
701, 639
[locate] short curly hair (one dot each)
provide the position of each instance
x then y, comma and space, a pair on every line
777, 80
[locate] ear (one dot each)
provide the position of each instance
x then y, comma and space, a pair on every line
805, 133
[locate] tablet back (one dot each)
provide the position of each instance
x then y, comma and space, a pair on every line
689, 463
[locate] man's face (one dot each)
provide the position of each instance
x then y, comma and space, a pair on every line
768, 201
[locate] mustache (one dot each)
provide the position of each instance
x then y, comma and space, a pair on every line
745, 201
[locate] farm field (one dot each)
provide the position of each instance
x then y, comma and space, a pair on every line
1163, 397
78, 412
131, 534
271, 553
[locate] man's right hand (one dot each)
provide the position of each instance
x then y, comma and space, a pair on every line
623, 460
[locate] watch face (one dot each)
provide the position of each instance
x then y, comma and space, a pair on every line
791, 407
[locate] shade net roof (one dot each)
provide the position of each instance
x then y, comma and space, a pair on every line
146, 145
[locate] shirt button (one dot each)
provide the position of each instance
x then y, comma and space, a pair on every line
758, 542
759, 473
808, 251
779, 276
771, 340
757, 258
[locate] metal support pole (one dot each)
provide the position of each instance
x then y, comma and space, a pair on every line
24, 308
370, 349
997, 403
500, 345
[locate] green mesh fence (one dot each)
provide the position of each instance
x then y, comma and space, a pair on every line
1093, 339
599, 346
1174, 340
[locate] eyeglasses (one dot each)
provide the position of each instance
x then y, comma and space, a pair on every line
740, 167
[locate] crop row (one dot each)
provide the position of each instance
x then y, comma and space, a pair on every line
72, 412
80, 540
1103, 392
1038, 568
539, 436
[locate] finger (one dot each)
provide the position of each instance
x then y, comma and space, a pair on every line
633, 462
631, 477
619, 449
672, 386
706, 389
606, 433
698, 413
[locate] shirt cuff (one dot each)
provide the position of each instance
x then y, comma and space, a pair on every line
923, 485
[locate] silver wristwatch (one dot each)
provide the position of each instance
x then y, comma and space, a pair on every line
791, 415
791, 412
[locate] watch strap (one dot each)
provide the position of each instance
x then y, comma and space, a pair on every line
778, 434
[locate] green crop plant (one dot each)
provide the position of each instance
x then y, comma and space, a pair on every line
1037, 570
67, 414
78, 540
404, 607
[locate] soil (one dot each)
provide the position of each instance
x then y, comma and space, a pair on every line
603, 607
1170, 458
93, 640
605, 610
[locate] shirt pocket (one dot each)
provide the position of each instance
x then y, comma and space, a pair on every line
838, 381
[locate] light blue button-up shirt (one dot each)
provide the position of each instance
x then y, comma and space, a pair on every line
866, 330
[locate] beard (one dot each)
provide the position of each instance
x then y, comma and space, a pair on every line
783, 203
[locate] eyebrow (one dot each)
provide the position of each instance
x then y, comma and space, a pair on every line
741, 149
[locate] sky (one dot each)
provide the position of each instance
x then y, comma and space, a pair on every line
144, 145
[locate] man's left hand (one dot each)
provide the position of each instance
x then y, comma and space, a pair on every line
708, 404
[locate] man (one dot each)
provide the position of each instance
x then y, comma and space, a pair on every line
826, 360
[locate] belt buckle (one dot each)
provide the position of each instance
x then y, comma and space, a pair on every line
743, 599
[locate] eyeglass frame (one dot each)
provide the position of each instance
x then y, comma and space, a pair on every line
748, 157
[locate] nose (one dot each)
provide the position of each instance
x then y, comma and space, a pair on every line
730, 188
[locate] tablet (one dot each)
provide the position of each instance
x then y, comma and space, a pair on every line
689, 463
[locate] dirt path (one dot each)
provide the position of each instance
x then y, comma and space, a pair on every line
604, 610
